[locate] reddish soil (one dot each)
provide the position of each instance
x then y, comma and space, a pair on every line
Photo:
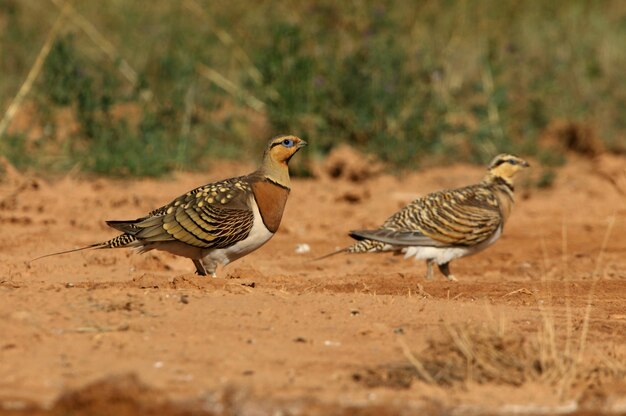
112, 332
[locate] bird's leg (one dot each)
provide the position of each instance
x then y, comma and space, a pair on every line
210, 266
445, 269
199, 267
429, 269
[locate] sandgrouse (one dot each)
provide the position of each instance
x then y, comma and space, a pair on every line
445, 225
219, 222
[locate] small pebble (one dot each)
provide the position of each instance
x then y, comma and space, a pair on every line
302, 248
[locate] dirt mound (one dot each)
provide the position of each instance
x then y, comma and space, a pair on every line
117, 395
344, 162
569, 136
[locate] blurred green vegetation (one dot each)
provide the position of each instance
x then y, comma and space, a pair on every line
413, 82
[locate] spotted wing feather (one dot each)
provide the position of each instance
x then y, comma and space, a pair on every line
216, 215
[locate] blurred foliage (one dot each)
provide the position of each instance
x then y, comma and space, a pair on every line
412, 82
13, 148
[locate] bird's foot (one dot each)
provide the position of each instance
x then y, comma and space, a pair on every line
445, 270
451, 277
200, 270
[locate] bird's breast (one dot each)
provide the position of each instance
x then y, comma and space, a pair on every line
270, 199
258, 235
505, 200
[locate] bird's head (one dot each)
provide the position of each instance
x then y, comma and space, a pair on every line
278, 152
281, 148
506, 166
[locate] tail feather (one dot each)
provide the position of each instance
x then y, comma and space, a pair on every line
325, 256
367, 246
122, 240
94, 246
127, 227
363, 246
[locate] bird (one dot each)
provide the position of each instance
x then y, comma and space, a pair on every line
448, 224
217, 223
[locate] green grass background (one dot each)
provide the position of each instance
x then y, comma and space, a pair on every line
412, 82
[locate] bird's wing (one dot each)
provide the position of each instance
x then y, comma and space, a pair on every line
216, 215
459, 217
396, 238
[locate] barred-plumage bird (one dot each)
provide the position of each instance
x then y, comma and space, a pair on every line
219, 222
445, 225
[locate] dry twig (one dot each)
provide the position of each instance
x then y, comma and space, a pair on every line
230, 87
34, 70
107, 47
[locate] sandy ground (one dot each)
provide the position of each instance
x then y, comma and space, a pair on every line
112, 332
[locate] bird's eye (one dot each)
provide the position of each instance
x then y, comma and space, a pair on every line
512, 162
287, 142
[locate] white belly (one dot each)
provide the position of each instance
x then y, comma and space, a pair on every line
442, 255
258, 236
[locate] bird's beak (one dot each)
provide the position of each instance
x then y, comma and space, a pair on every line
301, 144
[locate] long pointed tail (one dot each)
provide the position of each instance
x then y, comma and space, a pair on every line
97, 245
122, 240
325, 256
362, 246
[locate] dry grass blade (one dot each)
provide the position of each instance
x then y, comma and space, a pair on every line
596, 277
34, 70
230, 87
415, 362
107, 47
485, 354
422, 292
478, 354
566, 380
492, 109
227, 40
515, 292
489, 355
